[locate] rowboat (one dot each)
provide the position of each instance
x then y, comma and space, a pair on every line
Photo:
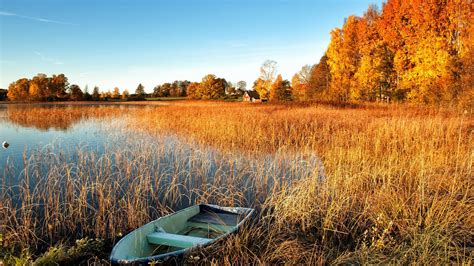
177, 233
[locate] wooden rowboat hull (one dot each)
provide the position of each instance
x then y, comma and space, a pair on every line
177, 233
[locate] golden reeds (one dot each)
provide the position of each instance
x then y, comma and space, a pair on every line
397, 184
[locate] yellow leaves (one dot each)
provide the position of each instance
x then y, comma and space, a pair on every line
412, 48
343, 57
34, 91
280, 90
429, 59
298, 87
116, 93
300, 83
193, 89
18, 90
210, 87
260, 86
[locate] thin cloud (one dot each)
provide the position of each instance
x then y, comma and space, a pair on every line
45, 20
2, 13
49, 59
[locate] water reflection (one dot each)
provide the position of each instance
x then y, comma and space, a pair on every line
57, 117
32, 127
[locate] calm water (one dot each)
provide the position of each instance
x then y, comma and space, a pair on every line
31, 129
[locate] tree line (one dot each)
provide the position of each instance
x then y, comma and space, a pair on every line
419, 51
210, 87
42, 88
57, 88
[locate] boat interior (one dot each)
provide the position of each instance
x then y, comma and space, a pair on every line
197, 227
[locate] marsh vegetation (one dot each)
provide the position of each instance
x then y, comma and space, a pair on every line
331, 184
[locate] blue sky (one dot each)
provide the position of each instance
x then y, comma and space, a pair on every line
122, 43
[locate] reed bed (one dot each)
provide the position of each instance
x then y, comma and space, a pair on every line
359, 184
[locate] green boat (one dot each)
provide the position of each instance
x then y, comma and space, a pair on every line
175, 234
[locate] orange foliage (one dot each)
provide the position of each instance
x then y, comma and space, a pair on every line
414, 50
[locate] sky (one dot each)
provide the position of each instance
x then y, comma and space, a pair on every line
122, 43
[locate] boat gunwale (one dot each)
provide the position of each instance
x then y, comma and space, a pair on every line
165, 256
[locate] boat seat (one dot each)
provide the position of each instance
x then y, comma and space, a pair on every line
216, 218
175, 240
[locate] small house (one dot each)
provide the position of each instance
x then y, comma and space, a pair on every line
252, 96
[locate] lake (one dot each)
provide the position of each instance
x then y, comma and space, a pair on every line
47, 127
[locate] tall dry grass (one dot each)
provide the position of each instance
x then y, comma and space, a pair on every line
397, 185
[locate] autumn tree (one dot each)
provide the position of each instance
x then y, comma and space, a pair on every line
465, 54
194, 90
374, 77
174, 89
125, 94
320, 79
116, 93
183, 87
140, 91
35, 92
75, 93
212, 87
298, 88
19, 90
165, 90
427, 51
105, 95
458, 85
418, 35
95, 94
343, 59
259, 86
394, 27
157, 92
416, 50
57, 86
280, 90
38, 89
263, 84
300, 83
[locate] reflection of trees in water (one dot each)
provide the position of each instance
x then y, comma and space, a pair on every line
56, 117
